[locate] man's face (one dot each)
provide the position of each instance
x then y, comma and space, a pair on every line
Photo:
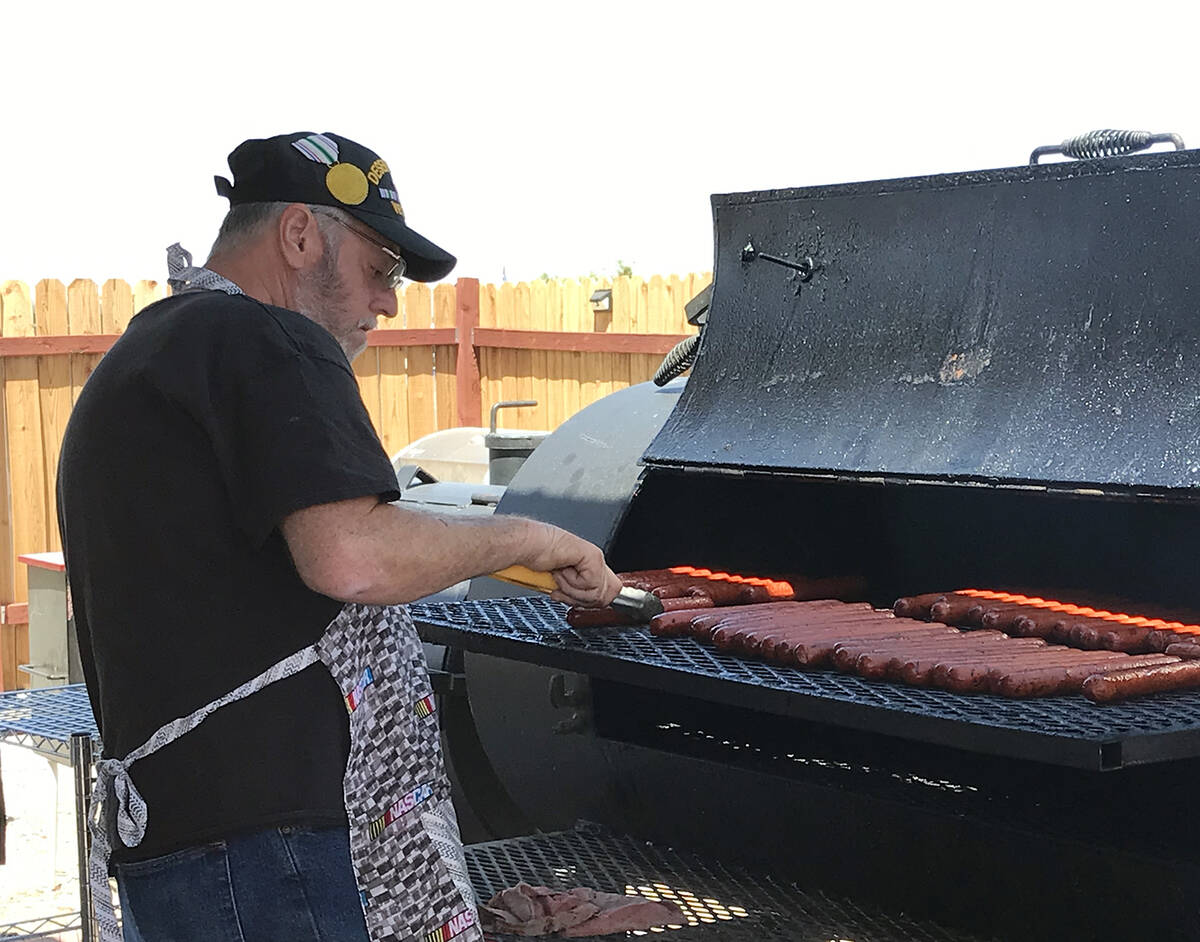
347, 290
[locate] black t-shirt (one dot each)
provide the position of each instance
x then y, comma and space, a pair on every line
211, 419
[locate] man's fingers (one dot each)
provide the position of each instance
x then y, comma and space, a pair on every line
587, 589
571, 577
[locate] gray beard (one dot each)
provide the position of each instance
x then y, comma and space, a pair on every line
322, 292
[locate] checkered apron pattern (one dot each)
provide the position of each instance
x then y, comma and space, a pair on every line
404, 840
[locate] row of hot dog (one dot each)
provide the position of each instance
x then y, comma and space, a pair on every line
1087, 628
876, 644
1013, 649
688, 587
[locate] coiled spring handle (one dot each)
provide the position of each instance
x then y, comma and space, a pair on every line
1105, 143
681, 358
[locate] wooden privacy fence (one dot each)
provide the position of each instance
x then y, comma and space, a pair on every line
452, 351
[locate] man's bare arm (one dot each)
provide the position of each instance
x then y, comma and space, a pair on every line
362, 550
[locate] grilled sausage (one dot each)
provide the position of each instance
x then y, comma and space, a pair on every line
812, 651
745, 616
917, 606
899, 643
791, 647
1183, 649
794, 615
1002, 615
720, 592
877, 665
1139, 681
958, 667
891, 660
1162, 638
752, 638
975, 678
931, 667
957, 610
1056, 680
674, 622
599, 618
1035, 623
1112, 636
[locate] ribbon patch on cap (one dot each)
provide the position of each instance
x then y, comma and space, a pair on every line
345, 182
318, 148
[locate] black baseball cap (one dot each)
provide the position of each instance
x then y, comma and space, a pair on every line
330, 170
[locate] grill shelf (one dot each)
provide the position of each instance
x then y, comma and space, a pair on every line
1068, 731
723, 904
45, 718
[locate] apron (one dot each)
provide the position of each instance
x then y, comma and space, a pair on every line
404, 841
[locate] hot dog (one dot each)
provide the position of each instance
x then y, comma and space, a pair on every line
917, 606
956, 610
599, 618
1056, 680
1139, 681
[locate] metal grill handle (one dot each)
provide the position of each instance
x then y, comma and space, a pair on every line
1105, 143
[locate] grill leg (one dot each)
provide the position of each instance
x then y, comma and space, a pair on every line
81, 765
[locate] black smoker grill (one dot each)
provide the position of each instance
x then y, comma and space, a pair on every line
985, 379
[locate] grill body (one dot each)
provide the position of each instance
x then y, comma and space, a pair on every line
982, 380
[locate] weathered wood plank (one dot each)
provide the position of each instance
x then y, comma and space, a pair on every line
146, 293
393, 398
23, 427
422, 406
445, 357
116, 305
366, 371
54, 391
83, 320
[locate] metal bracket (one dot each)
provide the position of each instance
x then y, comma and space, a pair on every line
448, 683
805, 267
408, 475
577, 698
43, 671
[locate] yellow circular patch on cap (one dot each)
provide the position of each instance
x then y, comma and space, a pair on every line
347, 183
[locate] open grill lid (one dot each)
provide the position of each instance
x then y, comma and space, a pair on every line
1032, 324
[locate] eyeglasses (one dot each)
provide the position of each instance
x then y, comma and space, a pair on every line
394, 276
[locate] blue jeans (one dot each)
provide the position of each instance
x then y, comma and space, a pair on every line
290, 883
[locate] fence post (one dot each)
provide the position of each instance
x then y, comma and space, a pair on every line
470, 398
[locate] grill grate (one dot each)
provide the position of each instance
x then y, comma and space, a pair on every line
1061, 730
723, 904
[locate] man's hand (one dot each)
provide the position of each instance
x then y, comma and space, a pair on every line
578, 567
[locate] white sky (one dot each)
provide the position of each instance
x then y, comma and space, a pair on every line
544, 137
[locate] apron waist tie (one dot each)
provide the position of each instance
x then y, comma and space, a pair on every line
117, 806
115, 798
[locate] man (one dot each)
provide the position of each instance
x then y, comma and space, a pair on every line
223, 501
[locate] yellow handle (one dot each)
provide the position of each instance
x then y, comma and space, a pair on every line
528, 578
